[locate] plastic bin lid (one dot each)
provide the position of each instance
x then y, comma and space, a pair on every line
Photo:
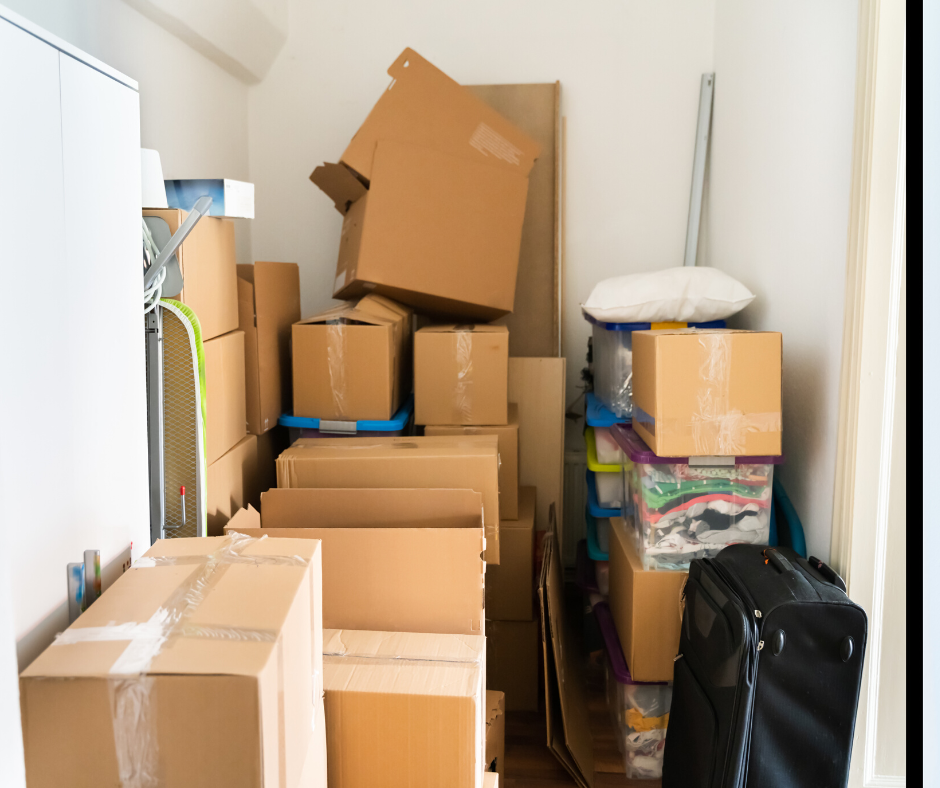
649, 326
593, 506
638, 452
596, 414
618, 664
591, 442
584, 577
397, 422
593, 546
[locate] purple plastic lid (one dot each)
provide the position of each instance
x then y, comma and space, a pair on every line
584, 577
605, 621
634, 447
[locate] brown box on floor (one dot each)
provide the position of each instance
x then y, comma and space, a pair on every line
231, 484
268, 305
645, 605
510, 587
433, 189
399, 560
468, 462
351, 362
461, 375
708, 392
225, 393
207, 263
512, 656
193, 711
496, 732
405, 709
508, 436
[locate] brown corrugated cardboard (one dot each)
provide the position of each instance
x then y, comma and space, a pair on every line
645, 607
491, 780
270, 446
711, 392
566, 712
231, 706
207, 263
397, 560
461, 374
225, 393
537, 386
468, 462
433, 188
512, 653
508, 437
496, 732
231, 483
350, 362
268, 305
405, 709
509, 587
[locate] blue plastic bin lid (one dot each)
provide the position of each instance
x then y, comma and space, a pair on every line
397, 422
598, 415
647, 326
593, 546
593, 506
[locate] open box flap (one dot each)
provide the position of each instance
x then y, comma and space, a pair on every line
339, 184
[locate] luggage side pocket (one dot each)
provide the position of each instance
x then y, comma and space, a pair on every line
691, 737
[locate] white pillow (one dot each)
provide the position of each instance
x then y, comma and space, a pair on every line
688, 294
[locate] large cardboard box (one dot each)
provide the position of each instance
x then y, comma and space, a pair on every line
461, 375
268, 305
444, 462
510, 587
352, 362
225, 393
512, 656
207, 263
711, 392
231, 483
646, 608
433, 191
496, 732
508, 441
397, 560
404, 709
217, 690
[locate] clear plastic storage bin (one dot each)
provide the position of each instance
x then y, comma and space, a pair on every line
684, 510
639, 710
608, 477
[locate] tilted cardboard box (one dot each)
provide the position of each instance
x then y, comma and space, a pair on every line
231, 483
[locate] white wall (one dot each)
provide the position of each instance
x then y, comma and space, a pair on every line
777, 208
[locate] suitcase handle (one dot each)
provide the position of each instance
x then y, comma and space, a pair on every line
827, 572
775, 559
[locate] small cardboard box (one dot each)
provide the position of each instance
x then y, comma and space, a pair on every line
510, 588
462, 375
218, 692
433, 190
268, 305
496, 732
351, 362
207, 263
645, 605
508, 437
399, 560
405, 709
231, 483
512, 662
225, 393
711, 392
444, 462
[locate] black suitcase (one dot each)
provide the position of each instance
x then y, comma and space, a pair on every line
767, 676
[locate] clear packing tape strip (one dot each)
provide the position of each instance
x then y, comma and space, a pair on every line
131, 689
336, 363
463, 391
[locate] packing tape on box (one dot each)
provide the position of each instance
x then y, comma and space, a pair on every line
336, 363
463, 391
131, 689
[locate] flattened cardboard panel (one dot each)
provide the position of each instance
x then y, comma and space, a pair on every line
533, 324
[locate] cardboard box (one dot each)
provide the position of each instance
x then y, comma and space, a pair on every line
496, 732
397, 560
468, 462
708, 393
645, 605
268, 305
405, 709
508, 442
315, 774
491, 780
225, 393
461, 375
270, 446
231, 484
351, 362
226, 707
433, 190
512, 654
510, 587
207, 263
